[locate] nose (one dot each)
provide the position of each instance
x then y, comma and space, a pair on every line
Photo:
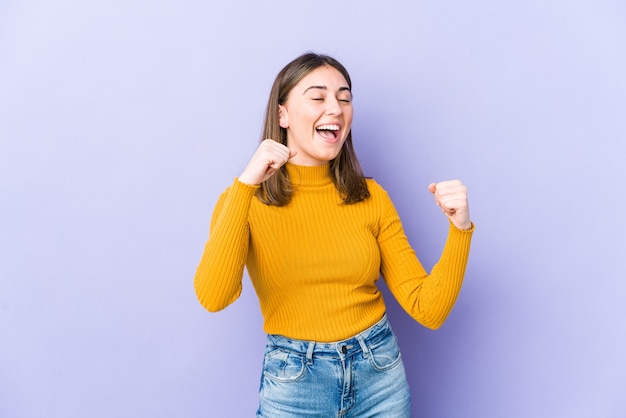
333, 107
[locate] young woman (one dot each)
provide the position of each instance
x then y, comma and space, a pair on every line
315, 235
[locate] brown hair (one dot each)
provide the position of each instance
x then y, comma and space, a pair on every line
345, 170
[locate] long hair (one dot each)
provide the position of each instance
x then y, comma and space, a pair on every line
345, 170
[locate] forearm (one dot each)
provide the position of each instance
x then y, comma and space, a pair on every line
439, 291
218, 277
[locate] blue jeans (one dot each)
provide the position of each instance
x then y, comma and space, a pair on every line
359, 377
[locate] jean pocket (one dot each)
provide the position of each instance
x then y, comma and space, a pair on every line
283, 366
385, 354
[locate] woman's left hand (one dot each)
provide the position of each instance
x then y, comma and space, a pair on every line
451, 197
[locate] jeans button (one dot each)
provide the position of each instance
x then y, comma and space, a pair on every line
344, 349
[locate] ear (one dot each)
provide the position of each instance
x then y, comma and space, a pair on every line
283, 117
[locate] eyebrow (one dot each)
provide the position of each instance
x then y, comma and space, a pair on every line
326, 88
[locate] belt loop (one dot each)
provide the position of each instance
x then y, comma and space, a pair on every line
366, 351
309, 353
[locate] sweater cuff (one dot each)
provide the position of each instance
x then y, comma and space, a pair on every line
462, 231
239, 187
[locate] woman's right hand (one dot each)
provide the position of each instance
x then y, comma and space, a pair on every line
268, 158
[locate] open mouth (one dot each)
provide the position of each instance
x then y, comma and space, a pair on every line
328, 131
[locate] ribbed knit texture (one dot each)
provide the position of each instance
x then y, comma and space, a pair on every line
315, 262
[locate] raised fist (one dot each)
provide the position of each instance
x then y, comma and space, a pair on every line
268, 158
451, 197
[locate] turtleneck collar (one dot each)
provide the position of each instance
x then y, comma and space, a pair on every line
317, 175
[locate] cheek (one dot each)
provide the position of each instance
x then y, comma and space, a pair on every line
306, 119
347, 115
347, 120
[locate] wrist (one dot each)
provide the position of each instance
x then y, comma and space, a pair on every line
465, 226
245, 179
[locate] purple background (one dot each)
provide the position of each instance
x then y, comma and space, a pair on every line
122, 121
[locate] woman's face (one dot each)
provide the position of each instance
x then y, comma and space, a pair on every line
317, 116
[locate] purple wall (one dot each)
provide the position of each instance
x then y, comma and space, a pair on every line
121, 122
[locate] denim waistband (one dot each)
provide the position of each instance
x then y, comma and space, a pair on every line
350, 346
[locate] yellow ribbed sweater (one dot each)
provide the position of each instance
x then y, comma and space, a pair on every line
314, 263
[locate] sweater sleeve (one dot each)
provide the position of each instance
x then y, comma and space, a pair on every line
428, 298
218, 277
